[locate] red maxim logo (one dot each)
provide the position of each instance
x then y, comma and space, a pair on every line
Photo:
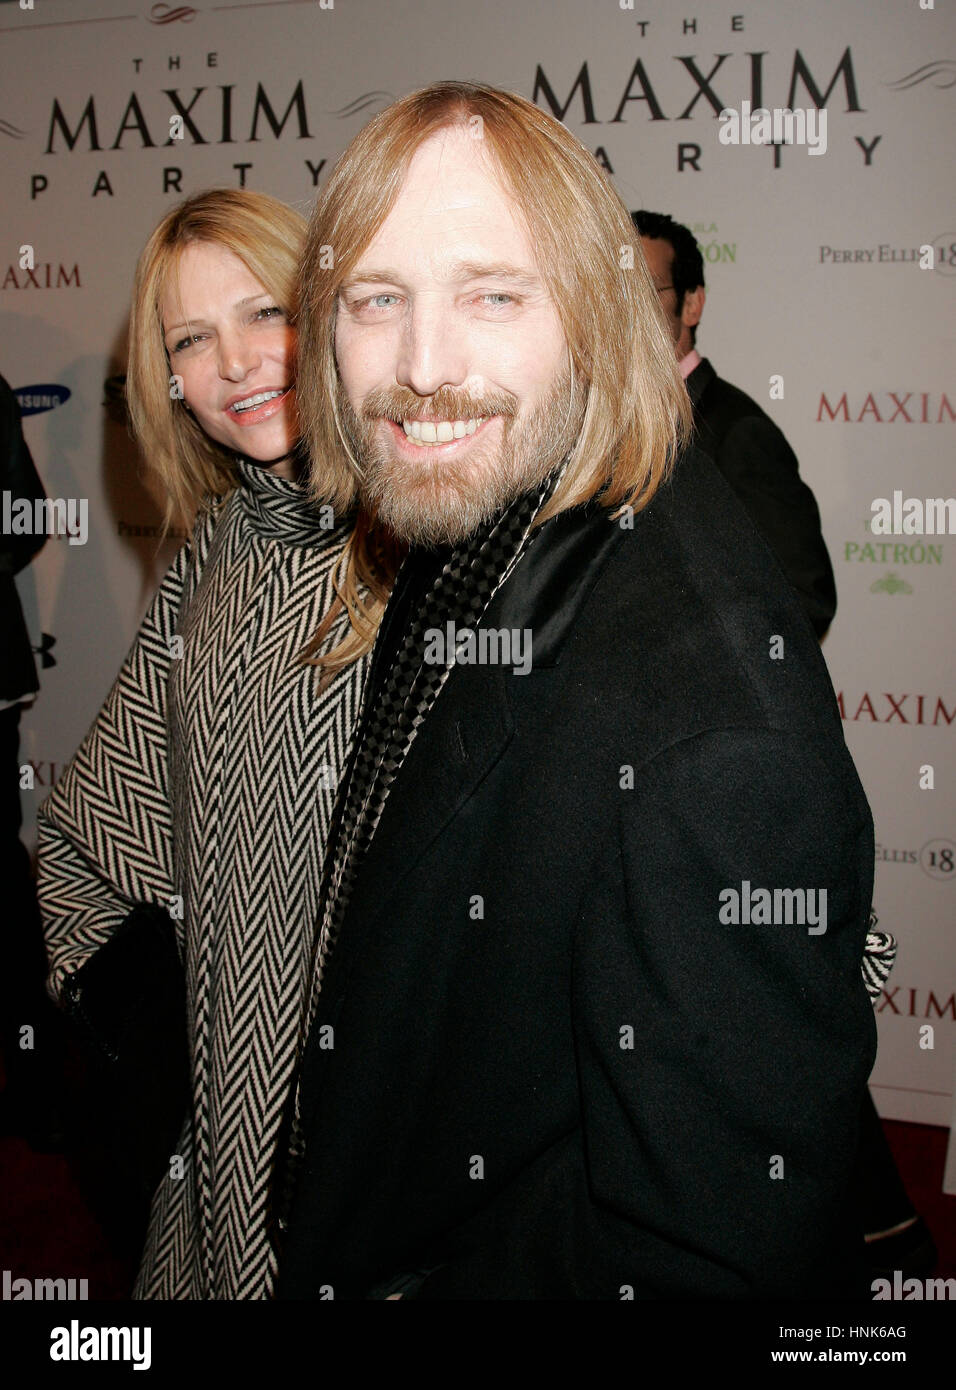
168, 14
899, 1006
907, 407
923, 712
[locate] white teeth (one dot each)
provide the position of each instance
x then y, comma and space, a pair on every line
260, 398
427, 432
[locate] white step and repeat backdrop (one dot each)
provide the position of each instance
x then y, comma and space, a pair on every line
813, 273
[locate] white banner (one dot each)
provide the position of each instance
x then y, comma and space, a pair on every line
830, 264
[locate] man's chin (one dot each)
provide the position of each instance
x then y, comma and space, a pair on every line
418, 517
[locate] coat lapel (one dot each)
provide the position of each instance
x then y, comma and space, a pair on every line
470, 725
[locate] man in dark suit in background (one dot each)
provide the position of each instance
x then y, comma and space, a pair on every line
552, 1052
743, 441
760, 466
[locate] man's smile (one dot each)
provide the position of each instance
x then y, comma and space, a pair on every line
448, 435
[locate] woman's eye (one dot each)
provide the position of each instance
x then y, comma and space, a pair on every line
381, 301
184, 343
497, 299
272, 311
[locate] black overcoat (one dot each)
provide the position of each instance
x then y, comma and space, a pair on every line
758, 463
552, 1070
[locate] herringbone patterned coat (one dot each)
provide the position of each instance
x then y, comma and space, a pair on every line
209, 775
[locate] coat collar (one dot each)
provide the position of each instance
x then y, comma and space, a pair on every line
279, 510
699, 380
471, 723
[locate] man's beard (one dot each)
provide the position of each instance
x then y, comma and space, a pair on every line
441, 501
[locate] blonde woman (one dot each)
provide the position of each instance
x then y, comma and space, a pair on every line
208, 777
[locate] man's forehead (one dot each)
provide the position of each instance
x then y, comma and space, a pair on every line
452, 209
658, 253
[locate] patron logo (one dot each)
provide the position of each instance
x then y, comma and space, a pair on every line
887, 408
33, 400
887, 709
893, 553
890, 584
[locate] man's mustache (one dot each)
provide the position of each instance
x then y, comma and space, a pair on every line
399, 403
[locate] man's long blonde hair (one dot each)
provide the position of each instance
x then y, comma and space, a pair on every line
637, 414
268, 237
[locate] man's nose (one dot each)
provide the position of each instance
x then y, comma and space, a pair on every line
434, 347
238, 355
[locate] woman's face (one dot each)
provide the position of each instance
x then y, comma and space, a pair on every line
233, 348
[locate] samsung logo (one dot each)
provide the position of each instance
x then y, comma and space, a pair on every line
33, 400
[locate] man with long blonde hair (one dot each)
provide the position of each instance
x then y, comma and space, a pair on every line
588, 1019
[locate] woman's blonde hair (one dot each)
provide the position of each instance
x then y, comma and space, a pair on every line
637, 415
267, 236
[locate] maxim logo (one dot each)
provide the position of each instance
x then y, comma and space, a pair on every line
916, 1004
41, 277
640, 90
889, 408
884, 708
216, 109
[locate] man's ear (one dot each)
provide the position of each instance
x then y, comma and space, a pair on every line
693, 307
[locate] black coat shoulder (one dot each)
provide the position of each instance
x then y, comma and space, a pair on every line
753, 455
